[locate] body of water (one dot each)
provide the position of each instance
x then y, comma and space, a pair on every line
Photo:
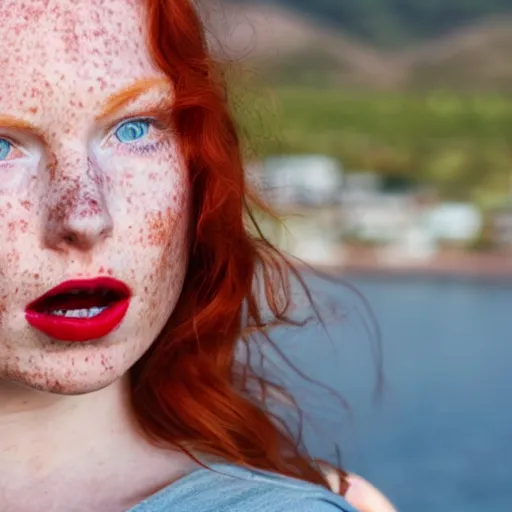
440, 436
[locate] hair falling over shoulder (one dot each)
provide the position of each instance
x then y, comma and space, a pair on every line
185, 391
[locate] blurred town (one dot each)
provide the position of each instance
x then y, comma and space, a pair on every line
359, 221
380, 131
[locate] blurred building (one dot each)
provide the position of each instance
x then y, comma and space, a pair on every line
306, 191
454, 222
308, 180
323, 209
500, 220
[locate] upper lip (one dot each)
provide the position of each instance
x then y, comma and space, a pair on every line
118, 289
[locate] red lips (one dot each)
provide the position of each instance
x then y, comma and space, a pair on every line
80, 310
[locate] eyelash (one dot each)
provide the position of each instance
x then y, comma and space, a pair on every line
143, 150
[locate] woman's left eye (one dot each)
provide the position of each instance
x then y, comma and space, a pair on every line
5, 149
132, 131
9, 151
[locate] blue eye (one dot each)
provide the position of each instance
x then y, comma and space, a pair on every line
5, 148
131, 131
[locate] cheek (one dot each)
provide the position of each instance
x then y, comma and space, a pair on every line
159, 208
157, 197
15, 221
159, 227
165, 235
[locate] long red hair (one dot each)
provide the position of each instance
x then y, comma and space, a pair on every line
186, 391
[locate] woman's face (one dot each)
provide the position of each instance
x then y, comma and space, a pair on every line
91, 186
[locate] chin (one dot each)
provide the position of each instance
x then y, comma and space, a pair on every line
63, 382
77, 388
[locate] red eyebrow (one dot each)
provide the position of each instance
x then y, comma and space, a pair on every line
110, 107
120, 99
20, 124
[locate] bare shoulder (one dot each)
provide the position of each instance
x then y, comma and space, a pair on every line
365, 497
357, 491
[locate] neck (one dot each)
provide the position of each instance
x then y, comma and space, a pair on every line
69, 444
43, 432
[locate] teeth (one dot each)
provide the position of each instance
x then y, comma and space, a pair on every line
78, 313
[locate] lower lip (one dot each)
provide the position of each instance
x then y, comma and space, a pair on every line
62, 328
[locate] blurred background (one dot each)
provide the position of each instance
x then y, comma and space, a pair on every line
381, 132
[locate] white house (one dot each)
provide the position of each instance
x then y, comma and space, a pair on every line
455, 222
313, 180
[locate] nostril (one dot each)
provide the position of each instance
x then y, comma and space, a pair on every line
70, 238
106, 231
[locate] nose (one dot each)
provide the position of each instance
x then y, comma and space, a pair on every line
77, 215
81, 226
82, 230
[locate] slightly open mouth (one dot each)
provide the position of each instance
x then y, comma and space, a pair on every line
78, 303
80, 310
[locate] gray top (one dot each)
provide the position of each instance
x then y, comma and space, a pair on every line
229, 488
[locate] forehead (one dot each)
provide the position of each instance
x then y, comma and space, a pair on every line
61, 45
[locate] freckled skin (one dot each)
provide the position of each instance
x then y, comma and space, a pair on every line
78, 204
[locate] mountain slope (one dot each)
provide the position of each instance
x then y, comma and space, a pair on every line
473, 58
393, 23
287, 47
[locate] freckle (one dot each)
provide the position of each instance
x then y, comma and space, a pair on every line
23, 226
26, 204
110, 272
159, 227
86, 359
36, 276
12, 228
33, 110
51, 167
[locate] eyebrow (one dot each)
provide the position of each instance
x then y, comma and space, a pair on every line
113, 104
120, 99
20, 124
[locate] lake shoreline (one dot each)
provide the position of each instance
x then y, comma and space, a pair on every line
449, 263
